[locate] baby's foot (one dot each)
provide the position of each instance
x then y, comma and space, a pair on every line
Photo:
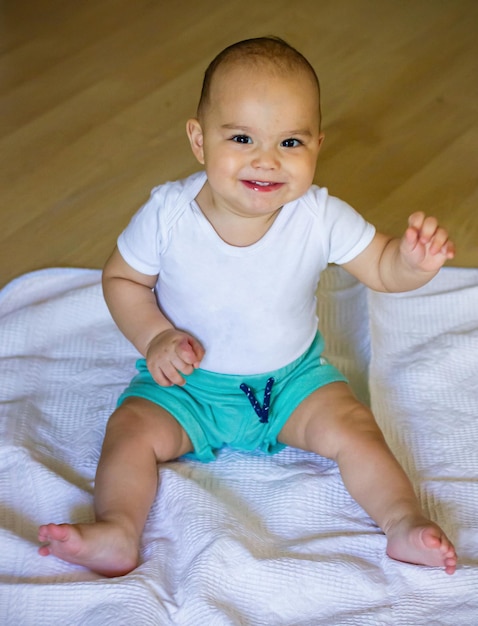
103, 547
420, 541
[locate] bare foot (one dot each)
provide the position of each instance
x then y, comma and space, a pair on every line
420, 541
103, 547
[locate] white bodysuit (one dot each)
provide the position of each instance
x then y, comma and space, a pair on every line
252, 308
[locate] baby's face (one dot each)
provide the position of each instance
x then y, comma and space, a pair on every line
259, 138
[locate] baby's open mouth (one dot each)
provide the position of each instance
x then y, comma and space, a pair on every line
262, 185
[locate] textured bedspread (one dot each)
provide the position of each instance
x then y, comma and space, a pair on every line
247, 540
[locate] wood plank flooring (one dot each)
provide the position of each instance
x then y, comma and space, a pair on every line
94, 96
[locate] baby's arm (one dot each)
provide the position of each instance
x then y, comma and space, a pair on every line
392, 264
131, 300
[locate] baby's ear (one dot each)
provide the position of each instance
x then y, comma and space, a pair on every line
195, 135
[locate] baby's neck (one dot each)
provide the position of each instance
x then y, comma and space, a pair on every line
235, 229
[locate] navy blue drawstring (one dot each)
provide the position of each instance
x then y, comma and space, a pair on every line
262, 411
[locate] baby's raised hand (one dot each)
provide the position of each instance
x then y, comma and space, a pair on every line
172, 353
425, 245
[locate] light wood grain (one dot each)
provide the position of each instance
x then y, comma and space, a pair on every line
94, 96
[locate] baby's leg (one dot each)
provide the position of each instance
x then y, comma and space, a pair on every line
332, 423
139, 435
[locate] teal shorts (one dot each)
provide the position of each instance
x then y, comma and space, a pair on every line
243, 412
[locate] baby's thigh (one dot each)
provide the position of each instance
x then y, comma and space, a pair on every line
147, 426
326, 419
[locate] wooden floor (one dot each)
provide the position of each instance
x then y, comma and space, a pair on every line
94, 96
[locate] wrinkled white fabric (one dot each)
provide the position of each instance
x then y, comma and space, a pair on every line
247, 540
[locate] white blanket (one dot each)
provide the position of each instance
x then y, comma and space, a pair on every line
247, 540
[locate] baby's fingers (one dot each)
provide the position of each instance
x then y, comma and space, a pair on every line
439, 243
430, 234
416, 220
448, 249
190, 351
426, 227
165, 374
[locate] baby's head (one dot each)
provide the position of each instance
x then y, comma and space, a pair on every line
257, 130
271, 55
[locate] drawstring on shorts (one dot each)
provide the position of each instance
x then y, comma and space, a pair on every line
262, 411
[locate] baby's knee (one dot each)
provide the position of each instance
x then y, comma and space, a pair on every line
145, 425
358, 425
129, 422
350, 422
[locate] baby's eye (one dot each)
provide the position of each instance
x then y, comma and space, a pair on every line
241, 139
291, 143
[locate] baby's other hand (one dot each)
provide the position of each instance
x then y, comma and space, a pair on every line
425, 245
172, 353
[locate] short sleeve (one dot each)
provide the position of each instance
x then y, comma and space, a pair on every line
139, 244
147, 236
348, 232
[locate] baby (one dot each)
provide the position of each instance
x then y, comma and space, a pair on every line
214, 283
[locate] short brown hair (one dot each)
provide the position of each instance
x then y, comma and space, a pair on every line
273, 50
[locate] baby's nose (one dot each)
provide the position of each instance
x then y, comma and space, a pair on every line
266, 158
